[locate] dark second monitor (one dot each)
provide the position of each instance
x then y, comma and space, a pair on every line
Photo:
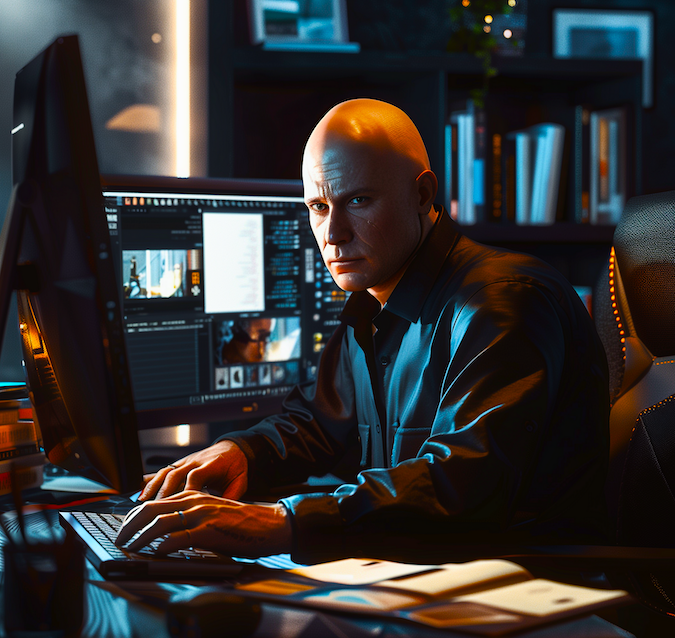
147, 302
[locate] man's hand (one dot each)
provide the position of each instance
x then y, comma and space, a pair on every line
222, 467
195, 519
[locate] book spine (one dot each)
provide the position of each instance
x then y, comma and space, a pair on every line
497, 180
542, 167
26, 477
509, 178
20, 450
12, 415
14, 434
523, 178
479, 165
23, 461
556, 136
581, 164
448, 167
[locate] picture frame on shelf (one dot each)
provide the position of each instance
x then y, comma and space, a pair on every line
301, 25
607, 34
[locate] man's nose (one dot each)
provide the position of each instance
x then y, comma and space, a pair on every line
338, 230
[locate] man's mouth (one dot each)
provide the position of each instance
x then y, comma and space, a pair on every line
343, 261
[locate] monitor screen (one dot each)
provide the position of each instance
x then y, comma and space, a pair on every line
226, 301
56, 252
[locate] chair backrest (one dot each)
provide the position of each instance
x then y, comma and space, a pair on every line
634, 311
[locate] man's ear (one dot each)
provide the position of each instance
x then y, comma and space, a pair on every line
427, 187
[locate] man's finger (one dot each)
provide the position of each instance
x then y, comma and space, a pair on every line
159, 526
155, 483
178, 540
139, 517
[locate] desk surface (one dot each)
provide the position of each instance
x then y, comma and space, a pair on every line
110, 612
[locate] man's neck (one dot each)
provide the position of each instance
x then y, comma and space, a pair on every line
383, 291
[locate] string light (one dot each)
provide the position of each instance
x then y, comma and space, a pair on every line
488, 19
508, 33
466, 3
487, 28
512, 3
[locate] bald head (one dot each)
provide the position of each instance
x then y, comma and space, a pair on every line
370, 192
375, 127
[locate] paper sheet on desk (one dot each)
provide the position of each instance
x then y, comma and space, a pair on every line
359, 571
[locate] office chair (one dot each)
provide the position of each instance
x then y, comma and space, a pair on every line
634, 311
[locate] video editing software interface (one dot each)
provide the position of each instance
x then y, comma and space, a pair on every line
226, 297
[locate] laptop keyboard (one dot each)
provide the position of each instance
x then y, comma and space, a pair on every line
104, 527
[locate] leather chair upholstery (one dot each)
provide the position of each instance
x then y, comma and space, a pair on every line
634, 310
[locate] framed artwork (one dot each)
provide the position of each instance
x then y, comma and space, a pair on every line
607, 34
311, 25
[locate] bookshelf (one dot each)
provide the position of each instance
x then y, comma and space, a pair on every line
264, 104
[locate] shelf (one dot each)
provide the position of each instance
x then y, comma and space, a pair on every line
561, 233
290, 63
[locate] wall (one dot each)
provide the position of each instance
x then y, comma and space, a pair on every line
123, 66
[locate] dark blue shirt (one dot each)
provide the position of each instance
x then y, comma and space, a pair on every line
479, 396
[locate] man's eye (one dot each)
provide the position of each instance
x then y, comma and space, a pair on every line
318, 207
359, 199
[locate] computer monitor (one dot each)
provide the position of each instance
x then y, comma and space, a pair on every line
227, 303
147, 302
56, 252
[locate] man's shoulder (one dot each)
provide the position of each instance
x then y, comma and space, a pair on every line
472, 268
474, 265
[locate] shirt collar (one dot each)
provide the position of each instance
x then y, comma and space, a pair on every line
407, 299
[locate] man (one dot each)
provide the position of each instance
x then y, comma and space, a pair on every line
472, 377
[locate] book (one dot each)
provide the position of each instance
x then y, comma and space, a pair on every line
12, 415
549, 140
522, 187
469, 186
498, 189
28, 472
532, 166
582, 120
20, 450
450, 176
17, 434
487, 597
607, 165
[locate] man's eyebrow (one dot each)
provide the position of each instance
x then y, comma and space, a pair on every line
346, 195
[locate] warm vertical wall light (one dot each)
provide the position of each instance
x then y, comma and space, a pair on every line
183, 88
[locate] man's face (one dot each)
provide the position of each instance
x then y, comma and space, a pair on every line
364, 212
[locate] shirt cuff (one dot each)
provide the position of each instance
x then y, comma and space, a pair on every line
318, 528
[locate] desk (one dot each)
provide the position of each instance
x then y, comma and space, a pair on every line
109, 612
111, 616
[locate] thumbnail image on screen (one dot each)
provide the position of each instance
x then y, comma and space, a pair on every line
258, 375
150, 274
256, 339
